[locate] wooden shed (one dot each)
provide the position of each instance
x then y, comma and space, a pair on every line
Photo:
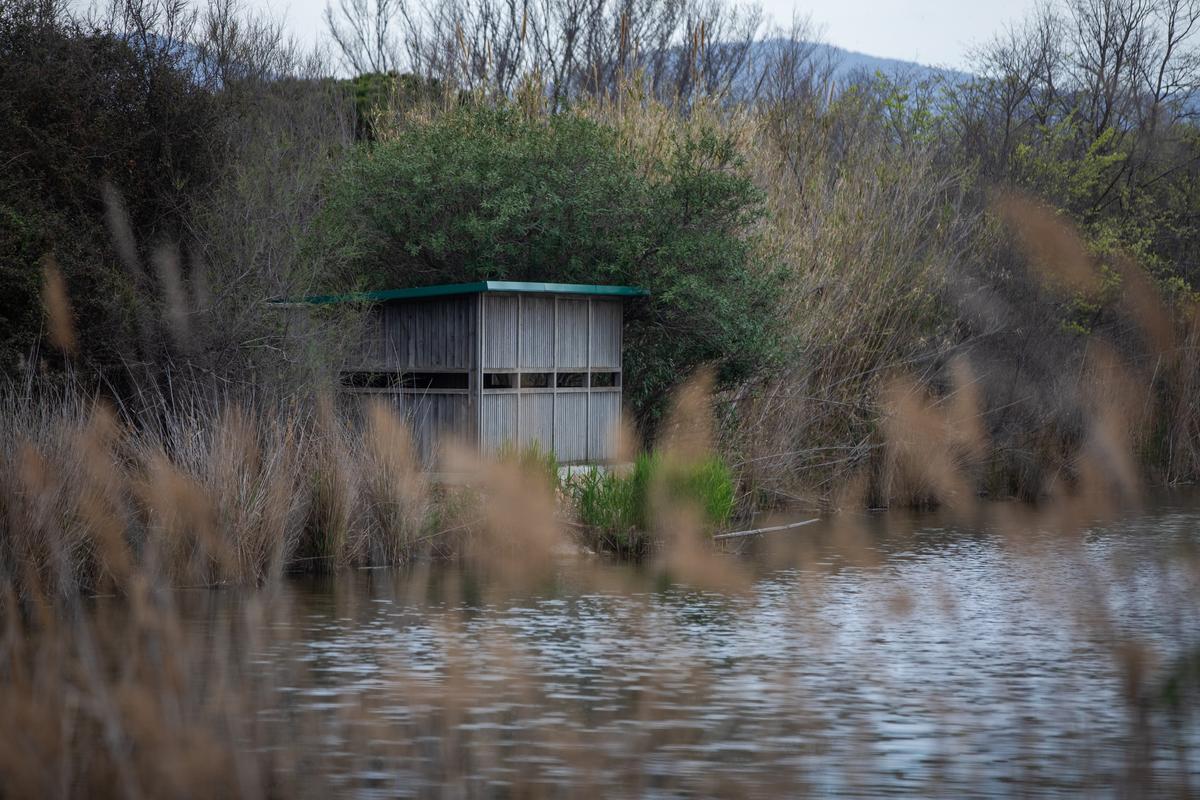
496, 363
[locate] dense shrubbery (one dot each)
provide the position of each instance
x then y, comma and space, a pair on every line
493, 193
618, 506
82, 107
166, 158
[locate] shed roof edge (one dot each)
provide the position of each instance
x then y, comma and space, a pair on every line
478, 287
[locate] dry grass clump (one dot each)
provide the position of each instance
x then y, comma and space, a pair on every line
1182, 413
120, 699
113, 697
334, 493
370, 501
934, 446
219, 492
62, 507
213, 492
370, 497
392, 491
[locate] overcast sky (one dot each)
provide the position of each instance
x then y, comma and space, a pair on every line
937, 32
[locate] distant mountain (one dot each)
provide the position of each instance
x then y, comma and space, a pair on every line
851, 62
846, 64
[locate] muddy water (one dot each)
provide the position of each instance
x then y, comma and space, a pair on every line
912, 655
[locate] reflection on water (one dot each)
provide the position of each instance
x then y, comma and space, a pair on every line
931, 660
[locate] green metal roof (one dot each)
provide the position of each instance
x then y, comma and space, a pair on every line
471, 288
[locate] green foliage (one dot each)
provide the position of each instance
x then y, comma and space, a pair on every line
375, 93
618, 506
81, 107
1049, 165
707, 484
612, 505
490, 193
907, 108
22, 245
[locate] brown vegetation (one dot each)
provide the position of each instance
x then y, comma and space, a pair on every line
119, 696
939, 337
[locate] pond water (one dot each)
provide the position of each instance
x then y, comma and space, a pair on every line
911, 655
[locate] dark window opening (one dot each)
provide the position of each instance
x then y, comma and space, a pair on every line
605, 380
535, 380
571, 380
499, 380
437, 380
419, 381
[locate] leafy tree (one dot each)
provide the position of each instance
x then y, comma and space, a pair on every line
489, 193
82, 107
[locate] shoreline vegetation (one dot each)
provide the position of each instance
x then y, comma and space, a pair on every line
889, 290
866, 291
223, 495
892, 289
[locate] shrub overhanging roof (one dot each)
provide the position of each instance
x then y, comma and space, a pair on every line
478, 287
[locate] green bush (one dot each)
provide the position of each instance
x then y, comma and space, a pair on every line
490, 193
707, 484
617, 507
612, 504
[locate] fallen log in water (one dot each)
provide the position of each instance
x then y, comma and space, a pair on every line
758, 531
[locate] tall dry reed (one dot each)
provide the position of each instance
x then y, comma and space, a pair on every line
214, 492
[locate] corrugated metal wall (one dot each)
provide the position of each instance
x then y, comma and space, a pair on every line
570, 426
520, 334
536, 419
500, 316
571, 345
605, 414
432, 334
607, 318
552, 335
537, 332
499, 420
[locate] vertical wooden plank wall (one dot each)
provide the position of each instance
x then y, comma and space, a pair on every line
505, 333
436, 335
552, 335
604, 354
